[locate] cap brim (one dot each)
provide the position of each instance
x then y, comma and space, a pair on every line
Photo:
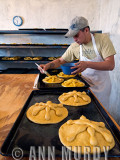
71, 33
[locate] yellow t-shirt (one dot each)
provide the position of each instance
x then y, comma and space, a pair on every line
103, 43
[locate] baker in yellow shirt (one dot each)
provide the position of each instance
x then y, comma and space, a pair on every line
96, 58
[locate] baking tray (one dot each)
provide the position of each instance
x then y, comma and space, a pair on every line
41, 84
22, 59
25, 133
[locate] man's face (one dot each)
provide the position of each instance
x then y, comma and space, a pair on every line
80, 37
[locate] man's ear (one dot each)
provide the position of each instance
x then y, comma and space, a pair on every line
86, 30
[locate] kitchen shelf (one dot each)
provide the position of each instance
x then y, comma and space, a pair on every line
34, 45
34, 42
34, 31
38, 31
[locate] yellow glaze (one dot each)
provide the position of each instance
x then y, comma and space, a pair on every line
46, 113
62, 75
84, 132
33, 58
74, 98
73, 83
53, 79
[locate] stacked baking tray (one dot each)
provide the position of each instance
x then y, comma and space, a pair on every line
45, 86
29, 58
25, 134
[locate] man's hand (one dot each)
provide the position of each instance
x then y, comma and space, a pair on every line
52, 65
80, 67
45, 67
107, 65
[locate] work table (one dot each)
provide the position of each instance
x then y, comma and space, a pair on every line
14, 91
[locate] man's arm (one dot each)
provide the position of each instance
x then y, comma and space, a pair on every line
54, 64
106, 65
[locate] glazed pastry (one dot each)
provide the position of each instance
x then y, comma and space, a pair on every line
53, 79
74, 98
62, 75
11, 58
52, 58
28, 58
37, 58
84, 132
46, 113
33, 58
73, 83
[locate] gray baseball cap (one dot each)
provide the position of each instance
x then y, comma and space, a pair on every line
76, 24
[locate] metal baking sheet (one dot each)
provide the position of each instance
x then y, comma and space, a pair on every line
25, 133
22, 59
41, 84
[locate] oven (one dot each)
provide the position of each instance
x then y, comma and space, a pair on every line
21, 49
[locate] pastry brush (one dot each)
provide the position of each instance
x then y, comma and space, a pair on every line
45, 72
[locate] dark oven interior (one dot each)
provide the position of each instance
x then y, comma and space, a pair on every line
21, 49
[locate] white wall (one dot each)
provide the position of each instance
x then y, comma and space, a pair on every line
102, 15
47, 13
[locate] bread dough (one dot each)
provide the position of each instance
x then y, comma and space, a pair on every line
84, 132
73, 83
74, 98
53, 79
37, 58
62, 75
46, 113
33, 58
52, 58
11, 58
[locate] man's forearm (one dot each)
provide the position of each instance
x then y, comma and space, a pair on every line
100, 65
107, 64
55, 64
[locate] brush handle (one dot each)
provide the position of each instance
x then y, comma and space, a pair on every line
40, 67
42, 70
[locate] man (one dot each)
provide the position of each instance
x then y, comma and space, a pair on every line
96, 58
